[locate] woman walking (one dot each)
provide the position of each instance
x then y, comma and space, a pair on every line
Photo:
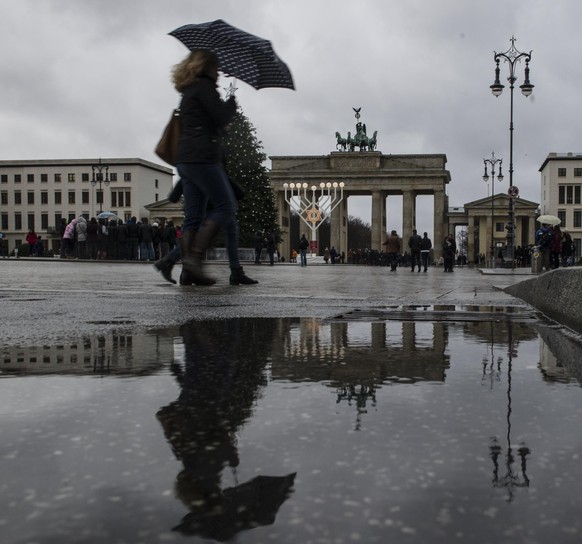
203, 120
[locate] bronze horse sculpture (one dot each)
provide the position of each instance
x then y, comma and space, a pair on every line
360, 139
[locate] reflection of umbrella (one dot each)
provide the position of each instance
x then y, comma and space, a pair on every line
549, 220
108, 215
240, 54
252, 504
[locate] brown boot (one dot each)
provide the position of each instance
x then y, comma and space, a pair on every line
187, 245
192, 261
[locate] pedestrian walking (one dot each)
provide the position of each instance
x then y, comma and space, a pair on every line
303, 247
393, 247
414, 243
203, 119
449, 252
425, 247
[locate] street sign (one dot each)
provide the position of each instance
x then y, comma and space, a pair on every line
513, 192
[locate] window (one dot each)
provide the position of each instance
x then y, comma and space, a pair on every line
578, 172
43, 178
562, 217
577, 219
85, 197
127, 176
4, 221
57, 178
4, 198
58, 219
577, 194
99, 196
569, 194
44, 221
84, 176
561, 194
17, 178
58, 197
561, 172
113, 176
71, 197
30, 221
17, 197
71, 177
17, 221
30, 178
156, 197
499, 227
44, 197
4, 178
30, 197
121, 199
156, 184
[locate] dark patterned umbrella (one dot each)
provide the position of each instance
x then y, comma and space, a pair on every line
241, 55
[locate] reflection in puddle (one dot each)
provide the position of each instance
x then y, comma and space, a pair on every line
288, 430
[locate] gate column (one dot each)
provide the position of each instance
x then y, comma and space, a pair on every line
439, 219
408, 217
378, 219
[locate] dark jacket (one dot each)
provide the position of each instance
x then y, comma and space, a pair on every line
203, 118
146, 233
133, 230
414, 243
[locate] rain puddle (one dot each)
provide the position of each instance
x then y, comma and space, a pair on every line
403, 424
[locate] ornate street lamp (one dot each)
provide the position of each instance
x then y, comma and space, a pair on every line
99, 178
512, 56
492, 162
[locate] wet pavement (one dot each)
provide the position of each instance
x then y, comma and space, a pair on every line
324, 405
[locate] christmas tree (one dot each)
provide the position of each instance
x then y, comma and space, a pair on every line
244, 163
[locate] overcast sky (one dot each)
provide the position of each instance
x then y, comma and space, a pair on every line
91, 78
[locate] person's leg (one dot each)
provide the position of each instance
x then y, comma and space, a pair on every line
211, 181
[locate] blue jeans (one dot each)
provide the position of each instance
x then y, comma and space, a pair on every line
203, 184
303, 257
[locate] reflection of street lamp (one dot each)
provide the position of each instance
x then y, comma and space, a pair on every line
512, 478
98, 178
492, 162
512, 56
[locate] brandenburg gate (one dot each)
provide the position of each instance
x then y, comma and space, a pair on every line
372, 173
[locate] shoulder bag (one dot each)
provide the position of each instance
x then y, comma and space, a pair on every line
167, 147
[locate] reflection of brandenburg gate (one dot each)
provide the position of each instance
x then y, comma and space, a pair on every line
367, 173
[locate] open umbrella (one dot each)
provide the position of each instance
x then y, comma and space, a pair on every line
240, 54
251, 504
549, 220
108, 215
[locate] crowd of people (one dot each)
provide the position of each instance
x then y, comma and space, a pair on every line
554, 247
113, 239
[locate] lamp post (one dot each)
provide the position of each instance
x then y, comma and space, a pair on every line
492, 162
512, 56
99, 178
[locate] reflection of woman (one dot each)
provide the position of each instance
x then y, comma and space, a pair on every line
219, 383
203, 119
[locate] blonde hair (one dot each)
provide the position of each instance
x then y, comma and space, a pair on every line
196, 64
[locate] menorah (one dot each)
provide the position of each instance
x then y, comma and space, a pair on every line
315, 209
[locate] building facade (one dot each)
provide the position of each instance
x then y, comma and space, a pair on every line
38, 194
561, 192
